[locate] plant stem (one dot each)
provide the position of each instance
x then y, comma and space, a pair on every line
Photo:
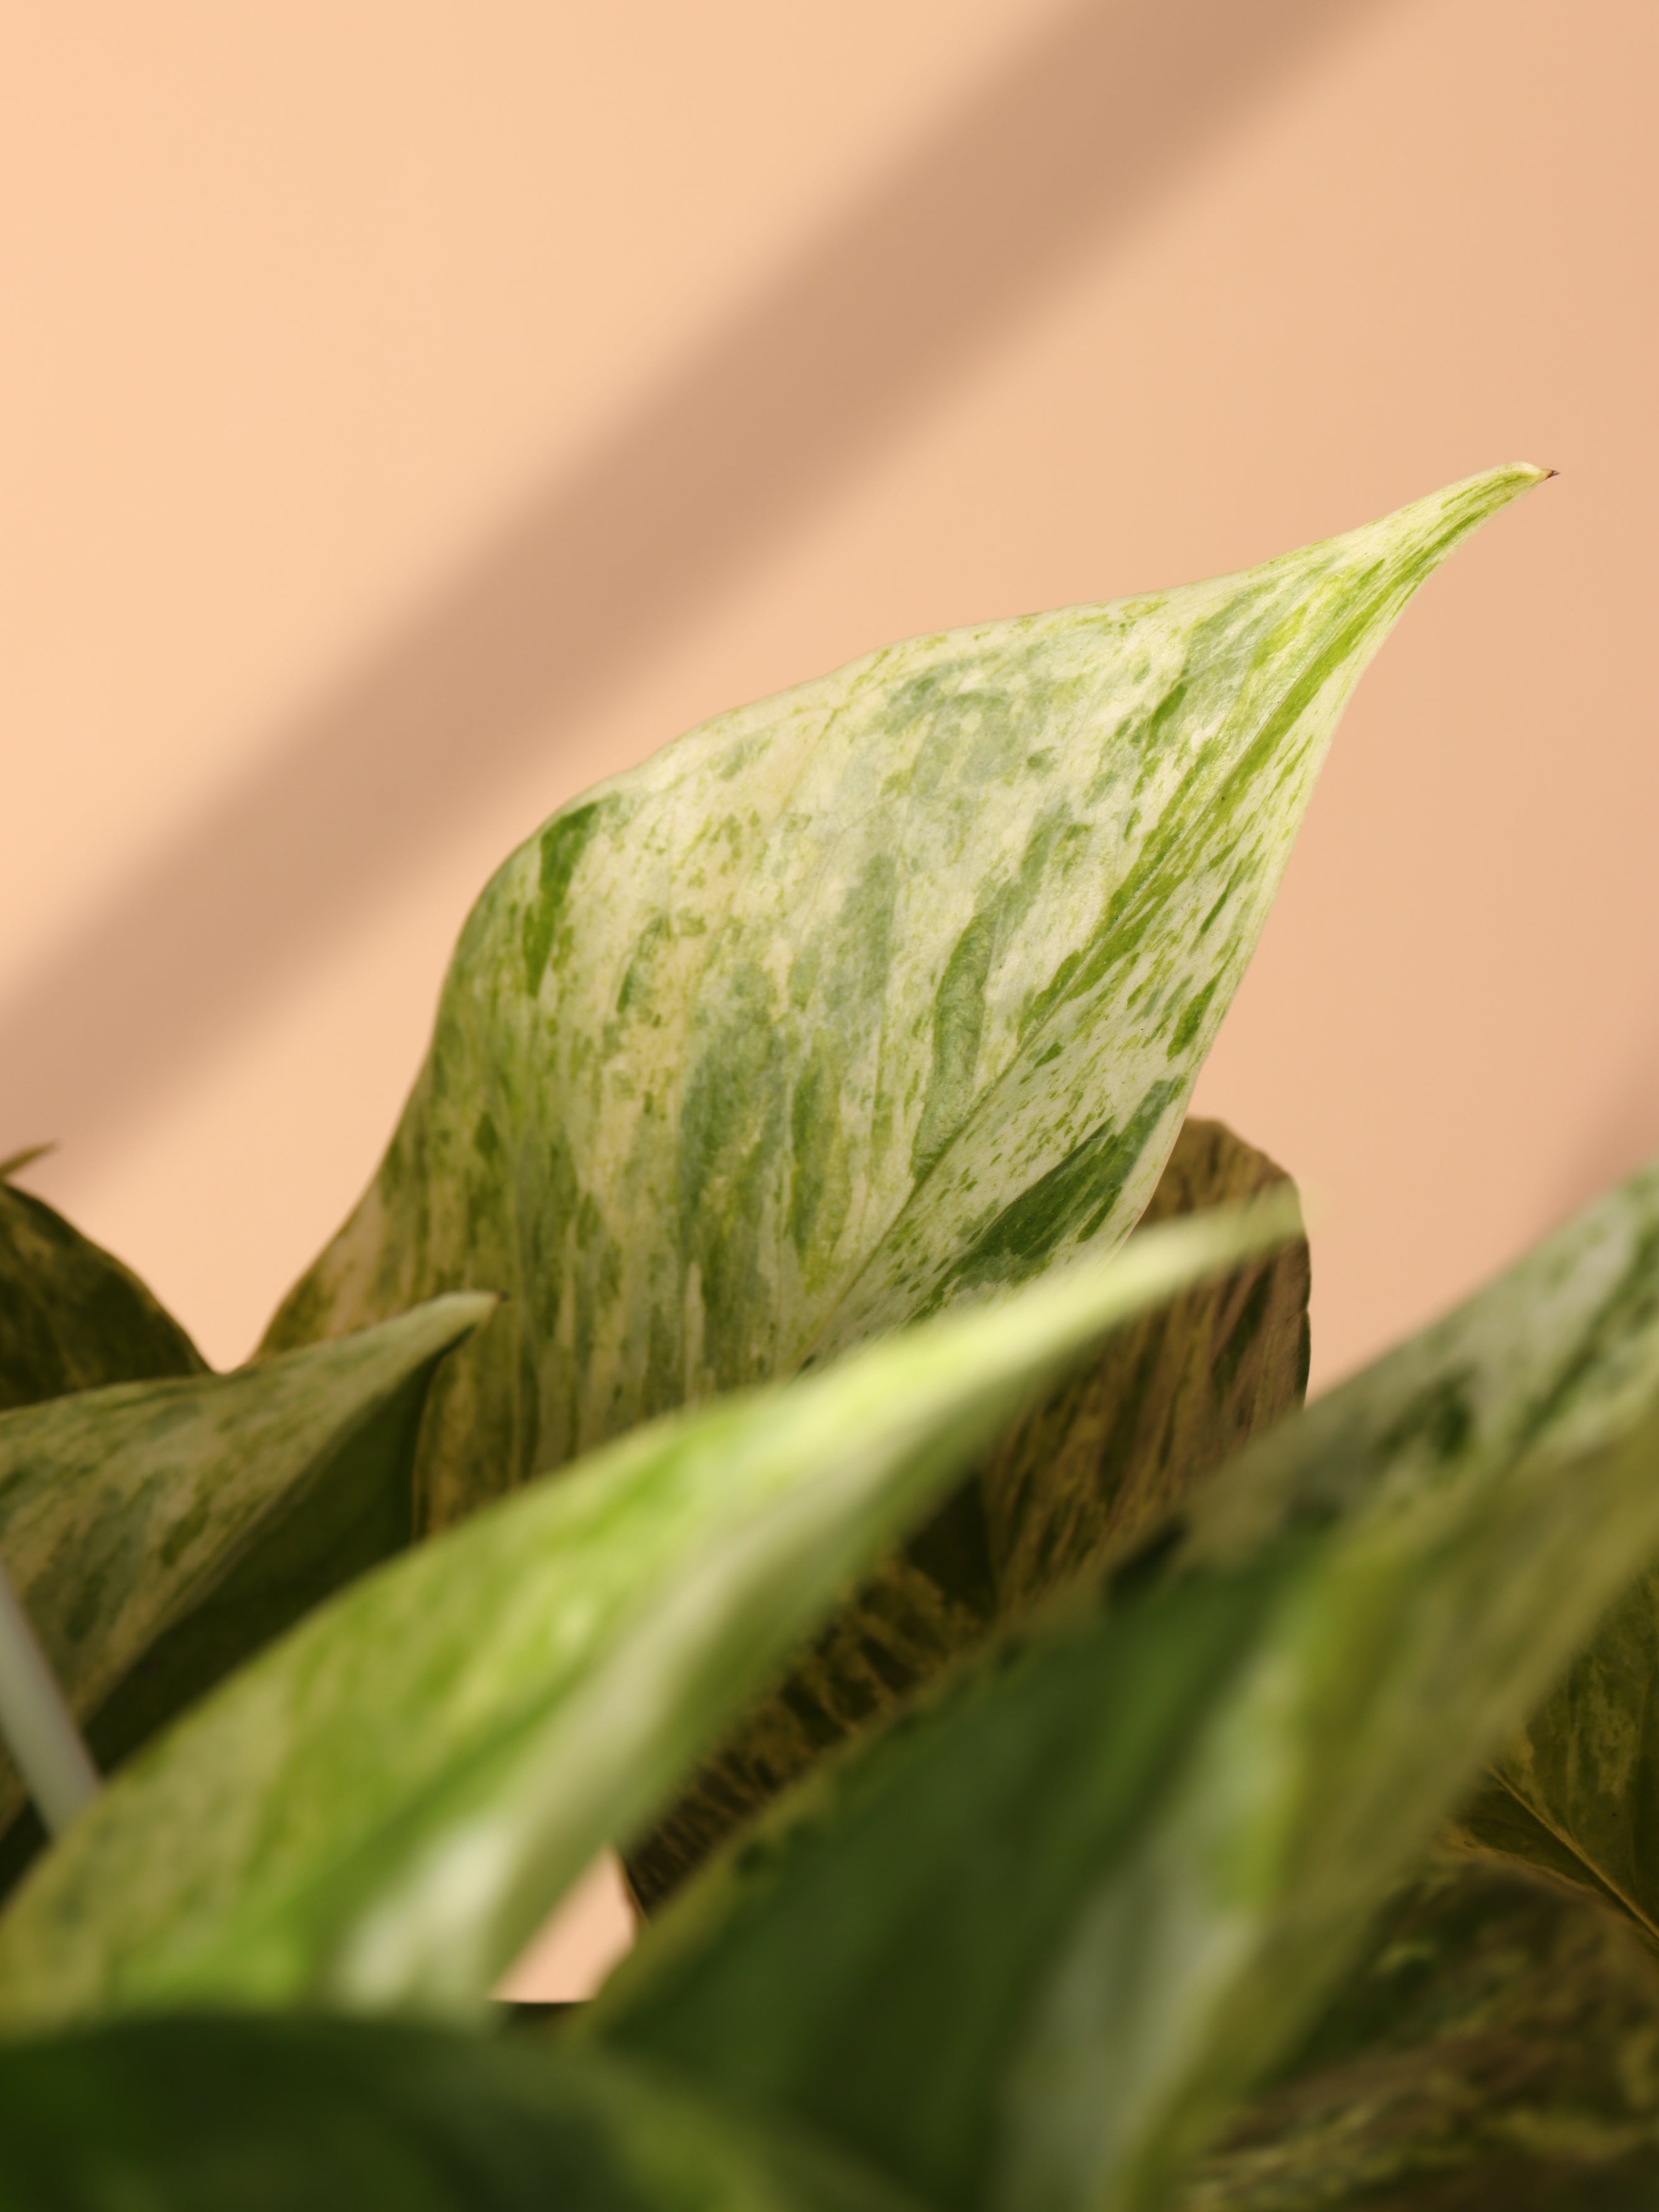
37, 1724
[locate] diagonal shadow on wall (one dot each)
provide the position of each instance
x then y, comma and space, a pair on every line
875, 318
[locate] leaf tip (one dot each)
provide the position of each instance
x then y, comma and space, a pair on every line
16, 1161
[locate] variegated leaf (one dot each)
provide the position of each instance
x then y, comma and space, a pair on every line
382, 1808
158, 1532
1496, 2049
1121, 1444
1030, 1948
1578, 1792
1560, 1353
1578, 1795
855, 1002
71, 1317
1118, 1443
228, 2114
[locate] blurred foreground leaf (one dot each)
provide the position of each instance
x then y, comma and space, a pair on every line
1028, 1947
228, 2114
157, 1533
384, 1807
1120, 1442
1496, 2049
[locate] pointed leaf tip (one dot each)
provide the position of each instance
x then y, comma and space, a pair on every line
202, 1513
15, 1162
72, 1317
857, 1001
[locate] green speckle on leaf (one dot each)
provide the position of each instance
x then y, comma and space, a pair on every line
561, 845
998, 884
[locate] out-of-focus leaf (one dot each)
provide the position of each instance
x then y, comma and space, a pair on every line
1496, 2049
857, 1001
1030, 1947
384, 1807
72, 1318
157, 1533
1579, 1791
1558, 1352
202, 2113
15, 1162
1119, 1443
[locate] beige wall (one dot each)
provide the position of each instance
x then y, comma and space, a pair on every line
408, 414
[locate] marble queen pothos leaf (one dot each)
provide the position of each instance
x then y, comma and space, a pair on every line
1120, 1441
157, 1532
1496, 2049
72, 1317
226, 2114
382, 1808
855, 1002
1028, 1948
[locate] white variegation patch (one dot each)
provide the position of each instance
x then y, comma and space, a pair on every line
1030, 1948
129, 1514
383, 1806
857, 1001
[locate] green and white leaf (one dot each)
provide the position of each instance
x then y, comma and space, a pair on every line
1496, 2049
157, 1533
384, 1807
1558, 1354
1030, 1948
855, 1002
1120, 1443
72, 1317
1578, 1794
226, 2114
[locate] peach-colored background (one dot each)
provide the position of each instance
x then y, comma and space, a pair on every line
412, 412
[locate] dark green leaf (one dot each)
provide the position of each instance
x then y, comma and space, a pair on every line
1170, 1401
1578, 1793
157, 1533
855, 1001
1119, 1443
1496, 2049
229, 2114
1030, 1947
383, 1808
1495, 1826
71, 1317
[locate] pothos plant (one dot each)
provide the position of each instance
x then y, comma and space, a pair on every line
739, 1425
